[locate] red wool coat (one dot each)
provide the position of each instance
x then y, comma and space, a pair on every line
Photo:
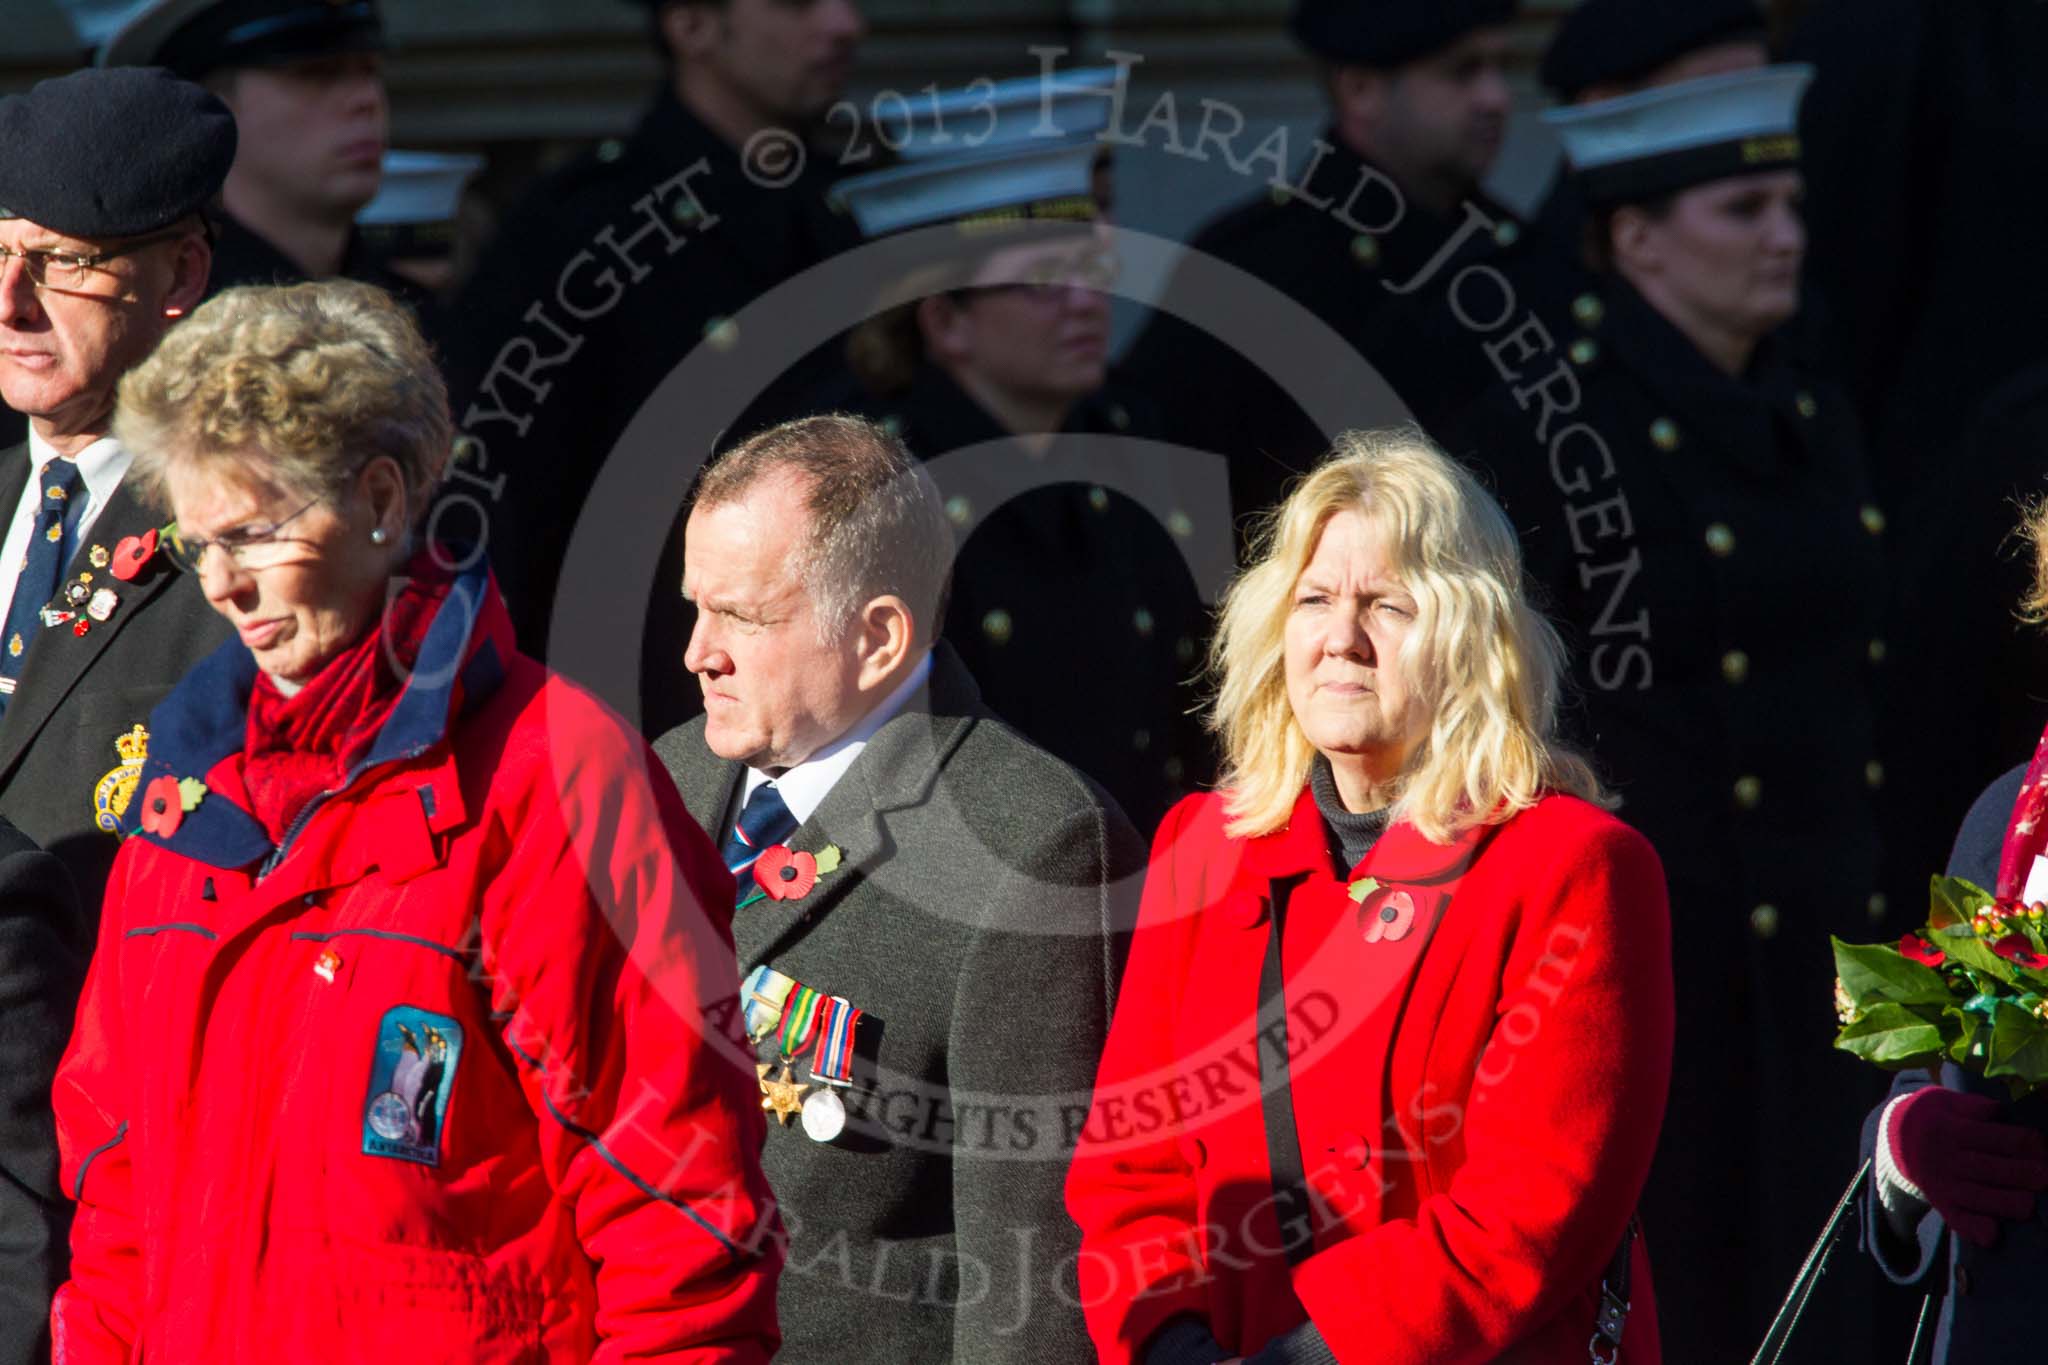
1476, 1091
455, 1081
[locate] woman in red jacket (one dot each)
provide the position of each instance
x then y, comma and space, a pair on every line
409, 1034
1390, 1057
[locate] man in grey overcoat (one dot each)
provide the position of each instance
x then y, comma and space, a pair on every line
930, 911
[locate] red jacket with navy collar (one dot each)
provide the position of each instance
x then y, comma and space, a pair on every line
452, 1076
1476, 1053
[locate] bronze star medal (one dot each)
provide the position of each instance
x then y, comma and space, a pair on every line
783, 1098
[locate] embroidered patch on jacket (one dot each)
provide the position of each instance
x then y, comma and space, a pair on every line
112, 793
411, 1078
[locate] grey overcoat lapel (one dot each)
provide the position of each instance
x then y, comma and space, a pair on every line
895, 771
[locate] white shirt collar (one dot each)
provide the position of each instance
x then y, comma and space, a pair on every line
102, 465
804, 787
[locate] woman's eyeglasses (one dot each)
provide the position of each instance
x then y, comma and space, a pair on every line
250, 547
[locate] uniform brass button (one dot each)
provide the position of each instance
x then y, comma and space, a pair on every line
1808, 408
1749, 792
959, 510
1664, 434
1763, 921
1873, 773
1098, 498
1588, 309
610, 150
1365, 250
1119, 417
685, 210
1720, 540
1507, 234
996, 625
1174, 769
1873, 518
1877, 907
1142, 622
1735, 666
1584, 352
1141, 740
1877, 651
1177, 522
722, 333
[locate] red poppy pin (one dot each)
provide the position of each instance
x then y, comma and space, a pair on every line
1386, 915
131, 554
2016, 949
163, 807
1919, 950
785, 874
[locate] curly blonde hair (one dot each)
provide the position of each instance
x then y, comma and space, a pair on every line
1489, 666
301, 384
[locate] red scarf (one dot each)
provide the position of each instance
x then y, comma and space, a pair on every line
303, 746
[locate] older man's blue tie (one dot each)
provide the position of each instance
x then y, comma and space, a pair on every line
764, 822
42, 568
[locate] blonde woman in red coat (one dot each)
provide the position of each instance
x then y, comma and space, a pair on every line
1392, 1050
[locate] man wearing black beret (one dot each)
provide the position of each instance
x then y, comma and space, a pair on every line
1419, 103
305, 82
102, 248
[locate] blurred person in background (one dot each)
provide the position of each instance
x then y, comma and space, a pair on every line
409, 1030
1390, 1056
305, 81
1700, 523
632, 256
991, 361
1419, 101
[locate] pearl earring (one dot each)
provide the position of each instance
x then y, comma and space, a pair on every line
378, 536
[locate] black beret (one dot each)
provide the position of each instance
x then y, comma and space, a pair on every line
112, 153
1390, 33
1621, 41
195, 37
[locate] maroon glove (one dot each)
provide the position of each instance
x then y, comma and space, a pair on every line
1971, 1166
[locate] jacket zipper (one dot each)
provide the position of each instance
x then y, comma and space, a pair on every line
312, 807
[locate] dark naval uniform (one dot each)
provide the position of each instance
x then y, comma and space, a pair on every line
243, 257
1072, 605
1312, 243
1711, 552
550, 357
1926, 239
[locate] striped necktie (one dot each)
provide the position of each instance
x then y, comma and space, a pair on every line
764, 822
42, 568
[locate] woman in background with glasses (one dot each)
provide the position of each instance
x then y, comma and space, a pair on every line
396, 1040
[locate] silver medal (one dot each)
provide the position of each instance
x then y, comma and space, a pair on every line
824, 1115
